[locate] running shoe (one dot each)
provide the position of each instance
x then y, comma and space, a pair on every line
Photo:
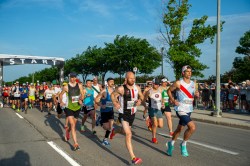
171, 133
154, 140
18, 110
136, 160
184, 151
105, 142
83, 128
170, 148
67, 135
143, 116
76, 147
49, 113
112, 134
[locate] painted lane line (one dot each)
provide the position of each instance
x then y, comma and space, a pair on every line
63, 154
19, 115
206, 145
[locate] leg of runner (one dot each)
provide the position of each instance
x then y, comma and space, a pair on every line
93, 117
72, 122
83, 127
168, 116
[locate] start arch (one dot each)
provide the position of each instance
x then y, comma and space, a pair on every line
8, 60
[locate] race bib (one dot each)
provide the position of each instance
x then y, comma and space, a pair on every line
130, 104
74, 99
109, 104
49, 96
40, 97
16, 94
166, 99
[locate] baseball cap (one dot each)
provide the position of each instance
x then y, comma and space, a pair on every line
184, 68
244, 82
65, 83
72, 74
17, 82
156, 81
50, 86
164, 80
110, 78
24, 84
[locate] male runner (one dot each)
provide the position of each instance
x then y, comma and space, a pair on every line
107, 113
130, 96
48, 95
88, 106
17, 95
32, 93
185, 89
154, 96
24, 90
75, 96
97, 89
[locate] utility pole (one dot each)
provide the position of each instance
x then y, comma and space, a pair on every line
218, 111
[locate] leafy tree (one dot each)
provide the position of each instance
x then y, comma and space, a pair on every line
184, 51
125, 53
244, 47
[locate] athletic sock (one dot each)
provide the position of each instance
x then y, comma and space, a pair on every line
184, 143
172, 142
107, 133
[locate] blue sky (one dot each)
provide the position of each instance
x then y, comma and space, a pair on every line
64, 28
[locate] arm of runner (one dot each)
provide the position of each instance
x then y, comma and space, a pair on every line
141, 96
98, 97
174, 86
114, 96
146, 94
82, 92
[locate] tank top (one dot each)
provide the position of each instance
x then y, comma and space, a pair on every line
128, 100
73, 97
155, 98
165, 97
107, 103
32, 92
89, 99
97, 88
185, 96
41, 92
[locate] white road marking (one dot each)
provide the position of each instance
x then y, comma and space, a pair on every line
62, 153
19, 115
205, 145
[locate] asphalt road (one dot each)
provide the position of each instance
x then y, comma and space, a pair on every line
37, 139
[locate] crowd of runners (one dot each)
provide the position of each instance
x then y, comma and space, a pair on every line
74, 97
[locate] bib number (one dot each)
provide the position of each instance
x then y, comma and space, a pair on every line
109, 104
90, 107
74, 99
130, 104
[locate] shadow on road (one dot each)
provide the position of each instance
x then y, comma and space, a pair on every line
21, 158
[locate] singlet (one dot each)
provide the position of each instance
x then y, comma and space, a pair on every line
185, 96
89, 99
32, 91
49, 94
41, 92
165, 97
65, 100
155, 98
107, 103
73, 97
16, 91
128, 100
97, 88
24, 92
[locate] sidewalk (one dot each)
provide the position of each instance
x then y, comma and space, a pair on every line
235, 119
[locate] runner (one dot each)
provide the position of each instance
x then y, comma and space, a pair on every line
24, 97
183, 107
166, 110
17, 94
88, 106
156, 103
75, 97
32, 93
41, 97
130, 96
48, 95
107, 113
6, 95
97, 89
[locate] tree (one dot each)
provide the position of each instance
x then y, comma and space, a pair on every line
184, 51
244, 47
125, 53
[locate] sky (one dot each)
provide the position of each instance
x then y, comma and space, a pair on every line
64, 28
